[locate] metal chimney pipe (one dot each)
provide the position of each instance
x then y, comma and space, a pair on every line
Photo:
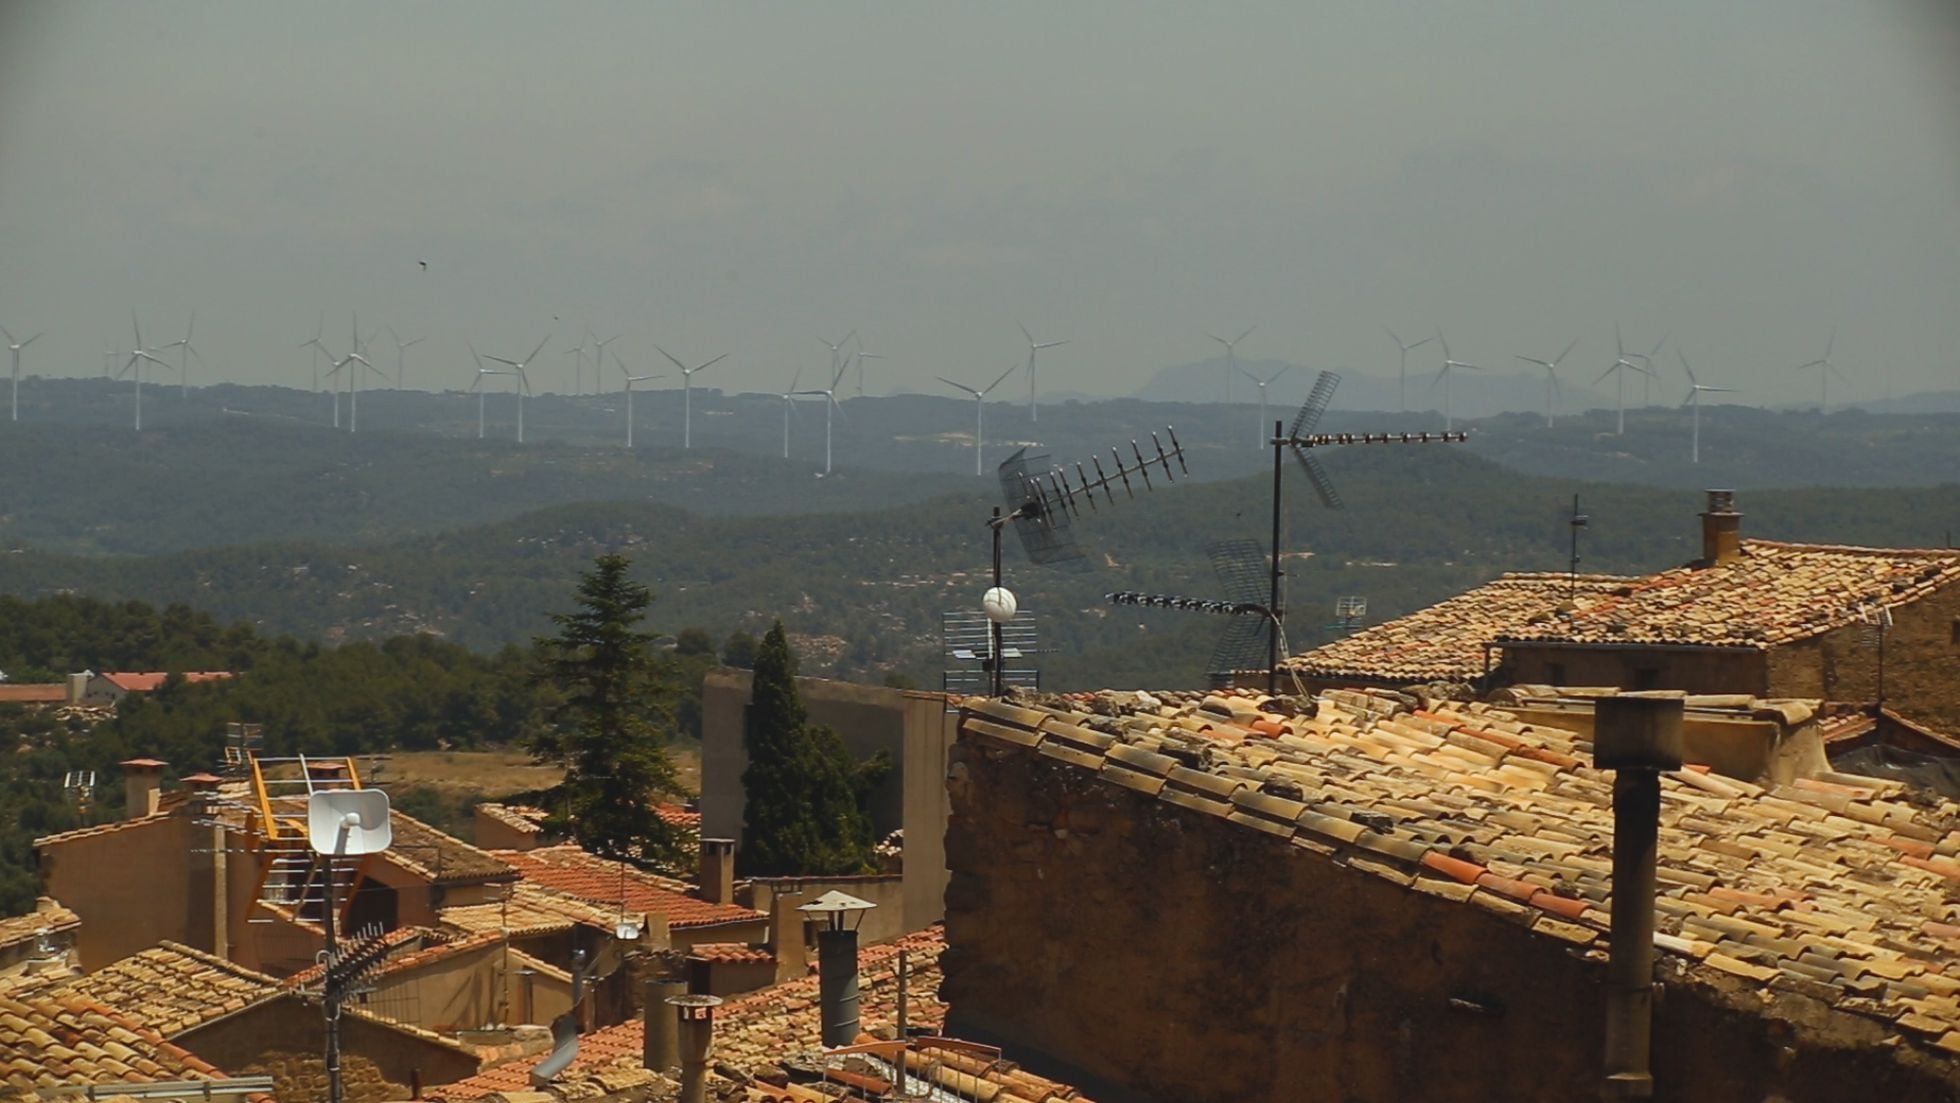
697, 1037
661, 1048
837, 992
1638, 736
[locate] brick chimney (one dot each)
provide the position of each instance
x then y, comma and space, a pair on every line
1721, 530
142, 785
718, 871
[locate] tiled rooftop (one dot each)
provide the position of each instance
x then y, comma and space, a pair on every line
443, 859
52, 1039
1444, 643
1848, 889
519, 818
33, 693
732, 953
570, 869
48, 915
529, 909
760, 1028
173, 988
1773, 593
151, 680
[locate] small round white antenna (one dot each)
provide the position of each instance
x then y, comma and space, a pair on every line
1000, 604
627, 932
349, 821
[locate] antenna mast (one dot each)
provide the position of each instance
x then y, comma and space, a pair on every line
1577, 522
1302, 440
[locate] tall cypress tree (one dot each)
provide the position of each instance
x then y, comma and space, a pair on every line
805, 792
606, 727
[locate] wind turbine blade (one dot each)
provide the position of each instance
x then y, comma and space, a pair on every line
1243, 333
1721, 390
719, 359
670, 357
848, 336
1560, 358
538, 349
1029, 336
1684, 365
37, 337
476, 356
1419, 344
1607, 372
1830, 345
501, 360
7, 335
1002, 378
957, 386
1394, 338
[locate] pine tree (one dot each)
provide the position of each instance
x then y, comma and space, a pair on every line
805, 793
605, 729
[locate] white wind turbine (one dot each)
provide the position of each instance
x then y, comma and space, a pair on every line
687, 387
1443, 377
789, 407
598, 361
979, 415
401, 349
862, 356
1035, 346
577, 352
837, 348
1259, 439
185, 350
14, 347
136, 359
1231, 357
631, 379
476, 385
1825, 370
523, 381
1621, 365
346, 364
830, 407
1551, 379
1695, 391
1647, 361
1402, 372
313, 343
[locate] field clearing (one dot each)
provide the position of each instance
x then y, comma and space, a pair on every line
488, 773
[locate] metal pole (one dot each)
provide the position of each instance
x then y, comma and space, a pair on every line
903, 975
993, 626
1273, 605
1637, 736
330, 994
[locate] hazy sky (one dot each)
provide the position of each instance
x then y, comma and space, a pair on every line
1741, 176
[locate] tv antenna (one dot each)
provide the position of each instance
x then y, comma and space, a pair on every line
79, 787
342, 823
1042, 499
1241, 569
1301, 439
1877, 621
1575, 523
1349, 611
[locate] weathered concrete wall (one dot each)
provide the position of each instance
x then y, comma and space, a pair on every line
1692, 670
1922, 663
913, 728
882, 923
260, 1036
1185, 957
131, 887
476, 988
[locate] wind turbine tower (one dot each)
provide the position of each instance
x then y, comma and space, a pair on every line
1035, 346
476, 385
346, 364
1825, 370
631, 379
1449, 368
1551, 379
1231, 357
1259, 435
687, 387
186, 350
979, 416
789, 407
1402, 372
14, 347
1619, 369
313, 343
401, 349
134, 364
523, 381
1695, 391
830, 407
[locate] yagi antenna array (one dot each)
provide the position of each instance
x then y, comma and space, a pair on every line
1041, 497
1241, 569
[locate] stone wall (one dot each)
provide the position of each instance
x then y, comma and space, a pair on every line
1180, 956
1922, 663
1694, 670
283, 1038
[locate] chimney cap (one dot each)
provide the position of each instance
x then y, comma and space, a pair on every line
201, 778
695, 1006
1720, 501
143, 764
835, 902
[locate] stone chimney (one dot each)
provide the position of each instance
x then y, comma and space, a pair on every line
142, 785
718, 871
786, 938
1721, 530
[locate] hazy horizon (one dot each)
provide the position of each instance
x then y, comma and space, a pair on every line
1740, 179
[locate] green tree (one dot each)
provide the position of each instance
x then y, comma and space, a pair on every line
605, 728
805, 793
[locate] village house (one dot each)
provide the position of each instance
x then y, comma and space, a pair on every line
1229, 896
40, 942
1875, 626
111, 688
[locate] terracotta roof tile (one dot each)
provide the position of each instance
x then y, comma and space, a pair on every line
570, 869
33, 693
52, 1039
529, 909
48, 915
731, 953
173, 988
1840, 881
443, 859
150, 680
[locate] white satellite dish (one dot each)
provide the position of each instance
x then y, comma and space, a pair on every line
627, 931
1000, 604
349, 821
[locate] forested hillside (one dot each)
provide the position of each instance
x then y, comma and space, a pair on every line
865, 590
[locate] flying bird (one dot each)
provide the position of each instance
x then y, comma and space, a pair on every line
424, 264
